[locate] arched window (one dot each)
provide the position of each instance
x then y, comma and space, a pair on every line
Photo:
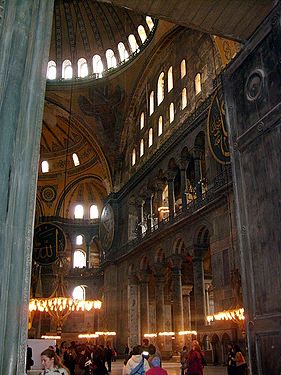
79, 259
160, 88
141, 147
94, 212
183, 98
97, 65
197, 82
82, 67
170, 79
66, 69
79, 292
150, 137
142, 120
45, 166
75, 160
149, 22
183, 68
160, 125
123, 53
110, 58
52, 70
172, 112
133, 43
151, 103
142, 33
79, 240
79, 212
134, 157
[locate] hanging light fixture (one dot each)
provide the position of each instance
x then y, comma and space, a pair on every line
59, 307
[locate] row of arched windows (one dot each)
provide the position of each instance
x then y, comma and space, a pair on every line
79, 211
97, 63
160, 98
45, 164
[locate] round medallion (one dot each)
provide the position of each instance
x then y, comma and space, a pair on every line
106, 229
49, 241
217, 132
48, 194
254, 84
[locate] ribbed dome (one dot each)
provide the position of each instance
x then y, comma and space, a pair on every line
83, 29
60, 139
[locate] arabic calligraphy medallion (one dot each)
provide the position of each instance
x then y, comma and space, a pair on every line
216, 129
106, 227
49, 241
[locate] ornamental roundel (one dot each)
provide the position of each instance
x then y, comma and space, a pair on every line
49, 242
48, 194
106, 230
216, 130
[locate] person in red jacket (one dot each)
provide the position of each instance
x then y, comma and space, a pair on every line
155, 368
195, 360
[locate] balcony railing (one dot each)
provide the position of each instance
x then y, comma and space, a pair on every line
221, 181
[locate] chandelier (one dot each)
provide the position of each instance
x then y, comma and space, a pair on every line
235, 315
59, 307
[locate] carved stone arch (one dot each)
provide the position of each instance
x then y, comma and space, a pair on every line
202, 234
131, 269
178, 247
199, 141
39, 209
185, 154
159, 256
144, 263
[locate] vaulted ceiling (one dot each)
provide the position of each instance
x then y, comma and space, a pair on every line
234, 19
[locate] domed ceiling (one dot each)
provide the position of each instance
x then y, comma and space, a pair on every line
62, 136
85, 28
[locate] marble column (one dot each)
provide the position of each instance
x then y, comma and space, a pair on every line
197, 172
207, 285
25, 31
199, 288
177, 300
186, 290
149, 212
171, 194
144, 303
140, 204
159, 303
88, 252
183, 188
133, 312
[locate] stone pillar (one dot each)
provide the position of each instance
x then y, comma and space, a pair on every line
140, 204
133, 312
183, 188
25, 31
144, 303
171, 194
88, 252
149, 213
159, 303
207, 285
186, 290
158, 201
199, 288
177, 299
197, 172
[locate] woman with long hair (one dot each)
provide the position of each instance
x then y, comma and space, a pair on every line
52, 363
194, 360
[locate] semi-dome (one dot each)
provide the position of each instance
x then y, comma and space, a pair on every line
90, 38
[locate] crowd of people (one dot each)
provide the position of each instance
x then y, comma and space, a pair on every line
193, 361
78, 359
85, 359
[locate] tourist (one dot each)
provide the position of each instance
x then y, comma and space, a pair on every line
52, 364
137, 362
195, 360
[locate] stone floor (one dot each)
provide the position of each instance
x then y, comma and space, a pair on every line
172, 368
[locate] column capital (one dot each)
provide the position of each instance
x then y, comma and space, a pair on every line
186, 289
171, 174
143, 277
175, 261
